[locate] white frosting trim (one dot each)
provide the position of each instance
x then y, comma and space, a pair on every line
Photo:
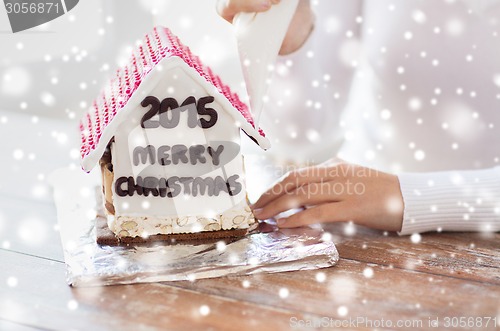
239, 217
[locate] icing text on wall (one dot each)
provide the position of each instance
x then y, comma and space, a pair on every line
169, 112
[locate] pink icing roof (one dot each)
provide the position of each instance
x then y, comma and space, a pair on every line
159, 44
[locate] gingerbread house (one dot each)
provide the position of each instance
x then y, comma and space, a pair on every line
166, 133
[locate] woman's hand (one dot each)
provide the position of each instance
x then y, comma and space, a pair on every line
335, 191
300, 28
229, 8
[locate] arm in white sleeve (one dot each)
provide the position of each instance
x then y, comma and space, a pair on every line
451, 201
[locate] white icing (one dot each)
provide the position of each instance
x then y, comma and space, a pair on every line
239, 217
138, 215
258, 49
130, 135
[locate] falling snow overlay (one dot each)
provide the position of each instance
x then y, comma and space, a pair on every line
408, 87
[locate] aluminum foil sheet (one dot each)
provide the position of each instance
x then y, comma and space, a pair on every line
269, 249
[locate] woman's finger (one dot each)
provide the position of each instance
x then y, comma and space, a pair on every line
290, 182
305, 195
227, 9
327, 212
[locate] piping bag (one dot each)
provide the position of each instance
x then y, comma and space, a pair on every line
259, 37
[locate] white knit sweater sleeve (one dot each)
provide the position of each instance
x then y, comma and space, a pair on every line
451, 201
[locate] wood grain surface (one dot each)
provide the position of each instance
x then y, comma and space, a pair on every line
379, 276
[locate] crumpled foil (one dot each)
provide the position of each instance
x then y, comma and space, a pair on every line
269, 249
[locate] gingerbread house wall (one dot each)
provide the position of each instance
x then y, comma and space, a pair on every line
178, 84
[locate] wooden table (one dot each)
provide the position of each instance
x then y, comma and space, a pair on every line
380, 278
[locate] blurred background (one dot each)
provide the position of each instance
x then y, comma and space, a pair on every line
56, 69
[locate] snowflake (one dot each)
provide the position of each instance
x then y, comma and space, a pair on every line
415, 104
419, 16
253, 261
204, 310
326, 237
496, 79
368, 272
145, 205
284, 293
342, 288
47, 99
419, 155
349, 229
332, 24
39, 191
221, 246
385, 114
18, 154
16, 81
342, 311
320, 277
455, 27
72, 304
415, 238
12, 281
